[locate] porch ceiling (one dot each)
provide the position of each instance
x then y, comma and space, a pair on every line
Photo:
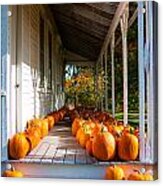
83, 27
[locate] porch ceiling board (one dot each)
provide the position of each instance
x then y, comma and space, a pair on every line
77, 19
77, 25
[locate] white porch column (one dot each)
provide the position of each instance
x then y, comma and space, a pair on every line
124, 29
112, 73
141, 79
106, 79
101, 64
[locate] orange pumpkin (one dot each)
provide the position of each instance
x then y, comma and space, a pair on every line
104, 146
128, 129
114, 173
76, 125
98, 127
19, 146
34, 135
116, 130
138, 176
78, 134
128, 147
51, 122
84, 135
44, 127
34, 122
12, 173
89, 146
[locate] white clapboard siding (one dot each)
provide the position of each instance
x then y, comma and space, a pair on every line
27, 85
34, 48
42, 99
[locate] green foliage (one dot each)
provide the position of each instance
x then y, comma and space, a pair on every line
80, 82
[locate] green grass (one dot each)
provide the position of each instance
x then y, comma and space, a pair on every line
133, 118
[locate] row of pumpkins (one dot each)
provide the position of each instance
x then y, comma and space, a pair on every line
111, 173
23, 142
98, 132
105, 138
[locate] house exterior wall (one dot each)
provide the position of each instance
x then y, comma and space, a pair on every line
29, 99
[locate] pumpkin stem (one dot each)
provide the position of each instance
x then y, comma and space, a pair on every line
131, 131
137, 170
12, 168
102, 128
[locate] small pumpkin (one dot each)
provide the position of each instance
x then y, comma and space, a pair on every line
114, 173
76, 125
34, 135
19, 146
78, 134
137, 175
12, 173
128, 147
84, 135
34, 122
104, 146
44, 127
116, 130
51, 122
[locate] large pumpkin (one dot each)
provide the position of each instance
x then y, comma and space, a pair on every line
12, 173
128, 147
138, 176
104, 146
19, 146
114, 173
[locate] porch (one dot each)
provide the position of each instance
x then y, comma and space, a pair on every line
38, 42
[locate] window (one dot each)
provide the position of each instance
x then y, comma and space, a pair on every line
50, 60
41, 40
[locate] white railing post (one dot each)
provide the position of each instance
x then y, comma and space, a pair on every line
102, 97
152, 90
147, 63
141, 80
124, 29
106, 79
112, 73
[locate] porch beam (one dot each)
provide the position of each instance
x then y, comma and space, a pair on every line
81, 63
119, 12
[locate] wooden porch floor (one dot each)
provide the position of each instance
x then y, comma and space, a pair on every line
59, 147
